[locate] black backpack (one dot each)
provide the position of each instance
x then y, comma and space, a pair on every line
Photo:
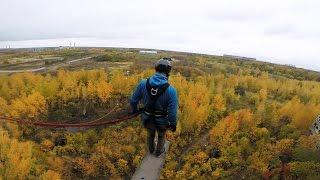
154, 93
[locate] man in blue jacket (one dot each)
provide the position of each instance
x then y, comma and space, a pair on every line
160, 105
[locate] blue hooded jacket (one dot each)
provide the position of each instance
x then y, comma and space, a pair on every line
168, 101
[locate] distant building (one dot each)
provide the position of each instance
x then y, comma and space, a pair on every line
239, 57
39, 49
63, 47
147, 52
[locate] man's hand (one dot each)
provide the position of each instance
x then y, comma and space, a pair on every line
173, 127
133, 111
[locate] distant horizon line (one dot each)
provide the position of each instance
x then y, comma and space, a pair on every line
199, 53
97, 42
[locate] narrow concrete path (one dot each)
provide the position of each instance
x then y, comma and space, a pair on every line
151, 166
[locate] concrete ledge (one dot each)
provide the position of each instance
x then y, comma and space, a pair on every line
151, 166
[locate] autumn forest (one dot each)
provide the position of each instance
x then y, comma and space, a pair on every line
237, 119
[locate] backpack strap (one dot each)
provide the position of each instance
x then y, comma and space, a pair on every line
155, 93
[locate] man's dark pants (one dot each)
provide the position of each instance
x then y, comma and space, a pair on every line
161, 131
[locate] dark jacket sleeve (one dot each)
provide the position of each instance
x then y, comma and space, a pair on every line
172, 106
136, 97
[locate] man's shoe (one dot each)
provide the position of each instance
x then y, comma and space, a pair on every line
151, 150
159, 153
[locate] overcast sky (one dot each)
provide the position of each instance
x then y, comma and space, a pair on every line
280, 31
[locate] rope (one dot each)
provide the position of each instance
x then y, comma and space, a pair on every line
108, 113
92, 123
65, 125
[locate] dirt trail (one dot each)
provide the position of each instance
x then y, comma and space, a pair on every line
151, 166
24, 70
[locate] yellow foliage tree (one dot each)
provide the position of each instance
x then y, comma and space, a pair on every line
122, 84
15, 157
220, 135
104, 90
194, 103
29, 106
50, 175
219, 103
301, 115
263, 93
3, 107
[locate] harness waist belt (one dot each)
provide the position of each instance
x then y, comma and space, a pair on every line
156, 113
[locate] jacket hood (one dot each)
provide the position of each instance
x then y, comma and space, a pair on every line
158, 79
